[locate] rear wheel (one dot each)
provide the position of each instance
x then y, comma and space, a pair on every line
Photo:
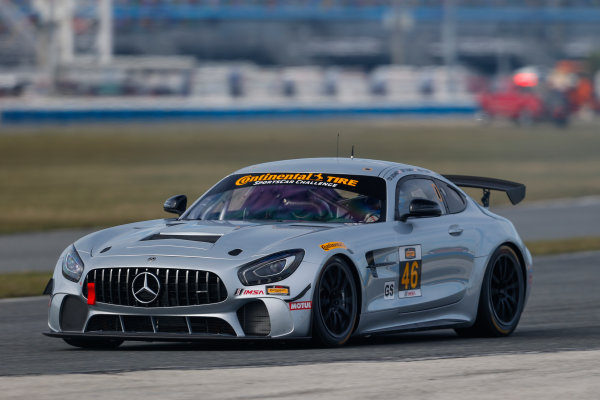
502, 296
94, 343
335, 308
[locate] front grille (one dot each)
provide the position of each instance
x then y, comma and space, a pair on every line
178, 287
159, 324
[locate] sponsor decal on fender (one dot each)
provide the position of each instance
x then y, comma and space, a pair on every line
410, 253
333, 245
278, 290
301, 305
249, 292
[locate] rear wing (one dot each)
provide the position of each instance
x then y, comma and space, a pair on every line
515, 191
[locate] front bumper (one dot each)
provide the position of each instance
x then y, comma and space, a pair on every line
235, 318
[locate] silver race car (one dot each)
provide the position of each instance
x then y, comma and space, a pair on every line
324, 248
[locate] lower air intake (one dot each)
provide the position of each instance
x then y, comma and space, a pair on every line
104, 323
194, 326
254, 319
73, 313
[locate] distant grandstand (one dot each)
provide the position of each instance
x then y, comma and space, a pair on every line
299, 32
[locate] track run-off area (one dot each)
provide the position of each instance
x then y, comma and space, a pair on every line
555, 352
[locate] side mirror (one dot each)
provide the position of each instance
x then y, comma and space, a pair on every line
176, 204
422, 208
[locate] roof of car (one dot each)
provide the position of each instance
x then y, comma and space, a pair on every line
332, 165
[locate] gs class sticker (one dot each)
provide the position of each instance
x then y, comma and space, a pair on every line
388, 290
410, 271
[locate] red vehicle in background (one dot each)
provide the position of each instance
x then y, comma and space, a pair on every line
520, 106
525, 101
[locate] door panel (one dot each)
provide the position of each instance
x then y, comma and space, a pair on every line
432, 262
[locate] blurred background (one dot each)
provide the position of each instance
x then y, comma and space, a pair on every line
108, 107
523, 60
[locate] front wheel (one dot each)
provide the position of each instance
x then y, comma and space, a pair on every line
335, 310
99, 344
502, 297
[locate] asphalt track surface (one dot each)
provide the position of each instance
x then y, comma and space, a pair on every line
562, 316
556, 219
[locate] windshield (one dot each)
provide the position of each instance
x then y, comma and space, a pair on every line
317, 197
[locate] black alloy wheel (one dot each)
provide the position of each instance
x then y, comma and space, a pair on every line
335, 304
502, 296
504, 289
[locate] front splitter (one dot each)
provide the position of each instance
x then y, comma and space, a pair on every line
161, 337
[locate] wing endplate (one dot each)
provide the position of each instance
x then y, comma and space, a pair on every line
515, 191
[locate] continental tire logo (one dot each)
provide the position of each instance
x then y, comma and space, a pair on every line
318, 179
277, 177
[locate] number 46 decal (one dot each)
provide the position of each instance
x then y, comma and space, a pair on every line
410, 271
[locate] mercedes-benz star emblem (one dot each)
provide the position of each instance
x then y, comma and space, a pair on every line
145, 287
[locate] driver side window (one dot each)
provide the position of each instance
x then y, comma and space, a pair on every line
418, 188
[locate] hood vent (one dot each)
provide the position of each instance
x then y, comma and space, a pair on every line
186, 236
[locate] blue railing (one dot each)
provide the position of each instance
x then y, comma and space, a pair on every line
354, 13
571, 11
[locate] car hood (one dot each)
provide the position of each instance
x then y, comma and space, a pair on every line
205, 239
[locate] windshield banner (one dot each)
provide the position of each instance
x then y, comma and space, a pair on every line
309, 178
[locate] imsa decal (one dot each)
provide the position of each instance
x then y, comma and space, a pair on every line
249, 292
410, 271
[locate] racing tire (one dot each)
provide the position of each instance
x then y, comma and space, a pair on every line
502, 297
335, 304
98, 344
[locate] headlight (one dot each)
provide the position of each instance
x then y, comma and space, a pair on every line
72, 266
273, 268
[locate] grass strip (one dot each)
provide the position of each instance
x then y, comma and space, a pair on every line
560, 246
21, 284
103, 175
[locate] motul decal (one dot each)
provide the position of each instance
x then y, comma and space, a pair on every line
301, 305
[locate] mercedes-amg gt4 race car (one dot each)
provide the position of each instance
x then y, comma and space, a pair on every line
323, 248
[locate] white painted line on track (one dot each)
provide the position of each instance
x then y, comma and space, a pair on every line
570, 375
